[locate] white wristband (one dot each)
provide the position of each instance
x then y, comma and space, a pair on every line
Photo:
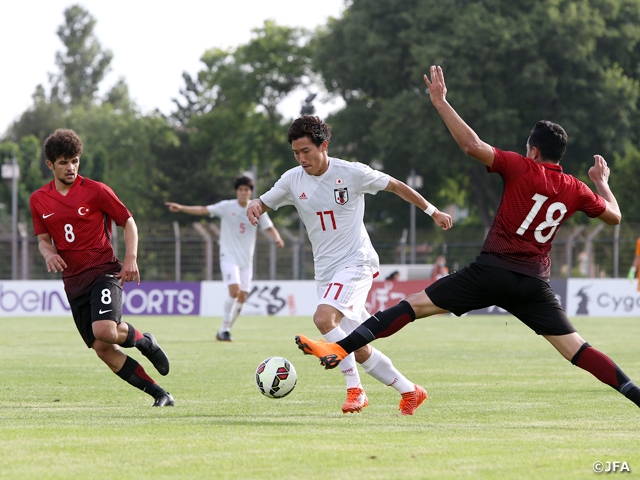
430, 210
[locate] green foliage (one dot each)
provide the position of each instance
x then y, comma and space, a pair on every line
27, 154
229, 113
507, 65
84, 63
127, 152
624, 182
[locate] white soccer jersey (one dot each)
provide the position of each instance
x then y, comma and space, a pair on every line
332, 208
237, 235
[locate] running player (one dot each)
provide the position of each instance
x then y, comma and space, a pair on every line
237, 245
72, 220
328, 194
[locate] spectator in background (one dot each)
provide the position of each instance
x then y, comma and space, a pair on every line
393, 276
439, 268
237, 245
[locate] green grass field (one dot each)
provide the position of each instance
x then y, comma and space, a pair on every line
503, 404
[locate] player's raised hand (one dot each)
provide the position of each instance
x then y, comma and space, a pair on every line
600, 171
443, 220
436, 85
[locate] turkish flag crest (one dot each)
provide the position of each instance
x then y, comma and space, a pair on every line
341, 195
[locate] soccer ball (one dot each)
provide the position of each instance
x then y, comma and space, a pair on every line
276, 377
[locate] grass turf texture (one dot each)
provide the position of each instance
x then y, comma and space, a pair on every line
503, 404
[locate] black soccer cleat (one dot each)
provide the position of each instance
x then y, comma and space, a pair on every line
330, 361
224, 337
155, 355
164, 400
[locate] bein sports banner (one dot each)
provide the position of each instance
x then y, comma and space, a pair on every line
47, 297
589, 297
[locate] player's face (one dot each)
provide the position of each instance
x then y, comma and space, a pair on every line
314, 160
65, 170
243, 194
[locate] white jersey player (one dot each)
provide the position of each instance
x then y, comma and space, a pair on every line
329, 196
237, 245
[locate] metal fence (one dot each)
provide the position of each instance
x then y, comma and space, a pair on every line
170, 252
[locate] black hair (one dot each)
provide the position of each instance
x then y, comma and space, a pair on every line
550, 138
62, 143
244, 180
312, 127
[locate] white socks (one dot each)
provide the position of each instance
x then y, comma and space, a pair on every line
379, 366
235, 311
227, 319
348, 365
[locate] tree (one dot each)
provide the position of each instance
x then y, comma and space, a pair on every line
84, 63
624, 182
229, 112
507, 64
27, 153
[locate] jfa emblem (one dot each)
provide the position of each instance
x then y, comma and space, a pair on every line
341, 195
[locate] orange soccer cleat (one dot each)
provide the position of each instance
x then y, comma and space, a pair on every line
412, 400
356, 400
330, 354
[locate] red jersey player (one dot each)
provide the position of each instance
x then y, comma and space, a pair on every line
72, 221
512, 270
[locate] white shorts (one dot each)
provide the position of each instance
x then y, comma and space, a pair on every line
234, 275
348, 293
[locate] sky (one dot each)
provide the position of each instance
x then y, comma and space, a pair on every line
153, 43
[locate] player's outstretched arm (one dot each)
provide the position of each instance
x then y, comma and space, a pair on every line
190, 209
409, 195
275, 235
462, 133
599, 175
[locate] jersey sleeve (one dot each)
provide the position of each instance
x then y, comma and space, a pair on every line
591, 203
216, 210
265, 221
507, 164
280, 194
372, 180
113, 206
38, 225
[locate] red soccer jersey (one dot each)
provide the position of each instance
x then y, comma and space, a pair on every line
537, 198
79, 224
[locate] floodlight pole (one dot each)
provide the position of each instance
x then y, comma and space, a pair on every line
11, 170
415, 182
14, 218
